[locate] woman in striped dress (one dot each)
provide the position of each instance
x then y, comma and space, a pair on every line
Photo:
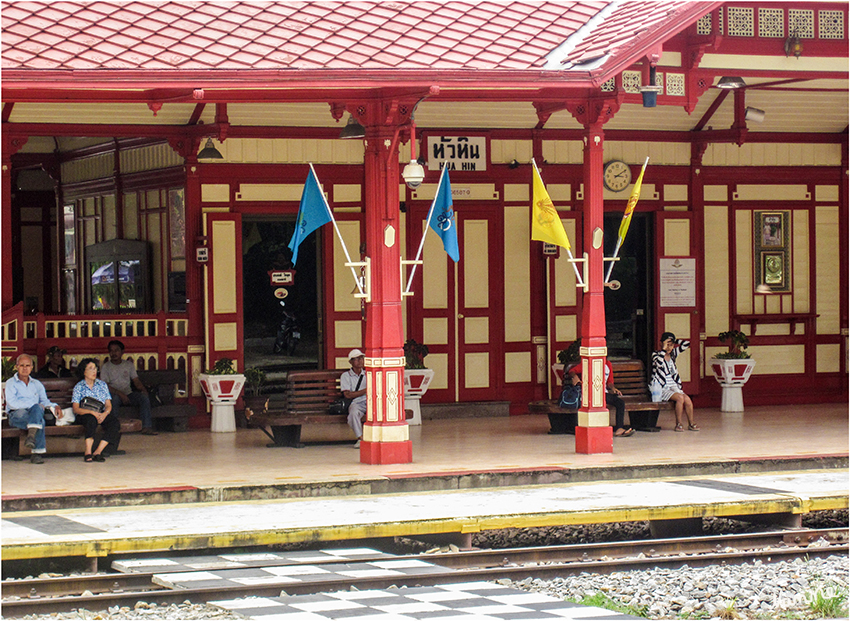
666, 375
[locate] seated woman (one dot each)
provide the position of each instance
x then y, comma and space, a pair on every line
666, 375
612, 397
90, 386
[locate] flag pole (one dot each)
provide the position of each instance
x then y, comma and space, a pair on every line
338, 234
425, 232
625, 215
569, 252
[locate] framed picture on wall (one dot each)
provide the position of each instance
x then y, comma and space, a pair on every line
772, 251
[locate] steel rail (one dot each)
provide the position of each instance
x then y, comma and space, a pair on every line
44, 596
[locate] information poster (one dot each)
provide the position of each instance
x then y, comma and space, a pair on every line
678, 282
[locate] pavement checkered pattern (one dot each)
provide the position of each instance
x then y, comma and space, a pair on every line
242, 560
479, 601
293, 574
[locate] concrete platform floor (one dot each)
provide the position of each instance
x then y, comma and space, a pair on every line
447, 453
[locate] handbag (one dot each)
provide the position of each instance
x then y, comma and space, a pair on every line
341, 405
570, 397
90, 403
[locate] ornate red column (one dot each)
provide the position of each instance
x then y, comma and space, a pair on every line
594, 434
11, 145
386, 438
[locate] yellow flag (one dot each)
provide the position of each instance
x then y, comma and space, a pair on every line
630, 206
546, 225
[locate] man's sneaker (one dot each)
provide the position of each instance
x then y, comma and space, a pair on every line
30, 441
356, 445
36, 458
148, 431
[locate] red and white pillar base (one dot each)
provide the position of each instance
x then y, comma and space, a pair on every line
386, 437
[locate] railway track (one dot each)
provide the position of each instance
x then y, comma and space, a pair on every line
63, 594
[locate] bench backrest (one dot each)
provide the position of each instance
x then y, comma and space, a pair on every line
311, 392
630, 378
161, 383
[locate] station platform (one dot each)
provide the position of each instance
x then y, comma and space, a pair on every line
457, 453
202, 489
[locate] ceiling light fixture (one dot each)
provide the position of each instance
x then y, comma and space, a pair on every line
731, 82
754, 115
209, 152
793, 45
352, 129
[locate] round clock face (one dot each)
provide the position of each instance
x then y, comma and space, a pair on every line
617, 176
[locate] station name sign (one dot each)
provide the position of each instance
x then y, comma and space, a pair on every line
457, 152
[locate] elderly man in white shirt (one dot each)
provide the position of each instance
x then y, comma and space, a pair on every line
26, 400
353, 386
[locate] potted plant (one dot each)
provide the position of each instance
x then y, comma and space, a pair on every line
417, 377
732, 369
254, 401
222, 385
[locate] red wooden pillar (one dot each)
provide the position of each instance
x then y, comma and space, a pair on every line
11, 145
386, 438
593, 434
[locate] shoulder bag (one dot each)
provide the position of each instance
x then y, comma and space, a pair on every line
341, 405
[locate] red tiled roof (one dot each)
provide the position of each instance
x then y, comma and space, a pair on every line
210, 36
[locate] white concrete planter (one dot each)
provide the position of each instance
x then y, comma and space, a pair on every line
416, 383
732, 374
222, 392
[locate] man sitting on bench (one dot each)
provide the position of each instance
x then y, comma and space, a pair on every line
25, 403
350, 384
119, 374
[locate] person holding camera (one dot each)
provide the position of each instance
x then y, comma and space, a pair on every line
92, 407
350, 384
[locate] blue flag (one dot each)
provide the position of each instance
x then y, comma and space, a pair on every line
442, 218
313, 212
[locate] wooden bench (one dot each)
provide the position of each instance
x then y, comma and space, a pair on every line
160, 383
59, 391
167, 414
630, 378
305, 400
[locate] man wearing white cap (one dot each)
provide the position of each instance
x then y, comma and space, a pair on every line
353, 386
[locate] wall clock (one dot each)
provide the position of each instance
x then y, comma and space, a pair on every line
616, 175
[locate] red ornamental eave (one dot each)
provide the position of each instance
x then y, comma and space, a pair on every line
128, 80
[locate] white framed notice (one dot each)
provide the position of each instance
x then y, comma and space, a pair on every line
677, 277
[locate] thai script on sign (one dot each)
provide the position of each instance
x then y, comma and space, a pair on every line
457, 153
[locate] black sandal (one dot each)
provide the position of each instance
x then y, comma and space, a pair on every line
98, 457
87, 457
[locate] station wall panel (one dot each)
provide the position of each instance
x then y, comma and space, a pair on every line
827, 279
517, 271
716, 266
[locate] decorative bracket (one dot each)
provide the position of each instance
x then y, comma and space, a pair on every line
596, 110
404, 262
364, 282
